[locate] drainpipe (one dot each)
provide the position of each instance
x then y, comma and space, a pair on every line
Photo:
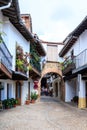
6, 6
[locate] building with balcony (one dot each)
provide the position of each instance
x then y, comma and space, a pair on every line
74, 67
15, 53
37, 52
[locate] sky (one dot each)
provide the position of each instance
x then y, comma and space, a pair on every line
53, 20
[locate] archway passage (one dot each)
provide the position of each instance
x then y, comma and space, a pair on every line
54, 67
52, 71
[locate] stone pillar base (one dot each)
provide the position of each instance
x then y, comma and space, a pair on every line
82, 103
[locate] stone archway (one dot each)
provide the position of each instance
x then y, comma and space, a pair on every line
53, 67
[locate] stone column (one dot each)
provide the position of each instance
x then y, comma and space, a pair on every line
59, 90
82, 96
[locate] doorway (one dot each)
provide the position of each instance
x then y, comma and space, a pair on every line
18, 92
28, 90
86, 93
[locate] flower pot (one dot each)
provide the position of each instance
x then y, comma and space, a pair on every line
32, 101
27, 102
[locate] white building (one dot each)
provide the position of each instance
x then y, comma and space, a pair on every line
75, 65
16, 83
12, 26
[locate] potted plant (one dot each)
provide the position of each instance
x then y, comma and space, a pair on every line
6, 103
15, 102
34, 96
27, 102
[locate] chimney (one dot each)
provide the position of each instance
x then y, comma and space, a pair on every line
26, 18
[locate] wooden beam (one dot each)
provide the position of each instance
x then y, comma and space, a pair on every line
56, 43
10, 15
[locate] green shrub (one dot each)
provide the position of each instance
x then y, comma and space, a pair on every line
34, 96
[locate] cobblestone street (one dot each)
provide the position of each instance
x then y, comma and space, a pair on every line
48, 114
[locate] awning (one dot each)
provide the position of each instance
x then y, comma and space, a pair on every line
18, 76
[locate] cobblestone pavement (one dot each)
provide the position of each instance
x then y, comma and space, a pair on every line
48, 114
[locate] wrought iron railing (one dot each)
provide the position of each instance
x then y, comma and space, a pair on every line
68, 64
81, 59
5, 56
37, 65
35, 58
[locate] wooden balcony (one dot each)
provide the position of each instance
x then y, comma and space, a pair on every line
5, 62
81, 62
34, 70
34, 73
67, 66
4, 72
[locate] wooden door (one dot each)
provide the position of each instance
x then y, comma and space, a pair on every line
18, 92
86, 93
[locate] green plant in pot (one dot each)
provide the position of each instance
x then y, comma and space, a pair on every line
16, 102
34, 97
19, 63
6, 103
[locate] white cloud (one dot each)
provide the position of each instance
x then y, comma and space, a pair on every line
56, 31
53, 20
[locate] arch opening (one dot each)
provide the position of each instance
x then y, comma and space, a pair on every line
52, 76
51, 85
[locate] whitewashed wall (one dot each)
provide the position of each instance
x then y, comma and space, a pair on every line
31, 85
70, 90
11, 90
59, 48
80, 44
12, 37
24, 91
1, 20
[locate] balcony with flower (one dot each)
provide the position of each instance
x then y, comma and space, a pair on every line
22, 63
68, 65
35, 66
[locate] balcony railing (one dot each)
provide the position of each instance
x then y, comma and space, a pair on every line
81, 59
35, 65
5, 56
68, 65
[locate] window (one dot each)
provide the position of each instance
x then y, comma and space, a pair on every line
1, 90
9, 91
52, 54
72, 53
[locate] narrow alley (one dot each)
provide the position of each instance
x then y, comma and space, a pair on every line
48, 114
